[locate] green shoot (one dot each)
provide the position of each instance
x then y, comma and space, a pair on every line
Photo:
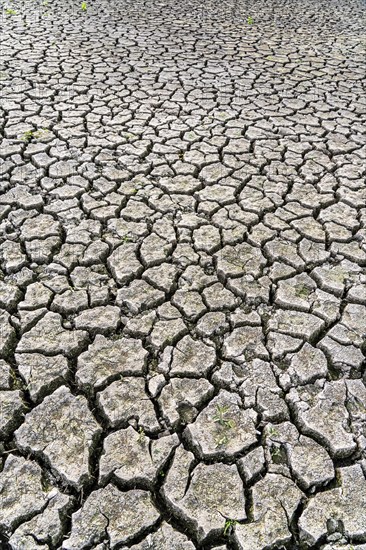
220, 417
229, 524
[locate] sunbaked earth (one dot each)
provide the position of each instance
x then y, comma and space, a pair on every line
182, 293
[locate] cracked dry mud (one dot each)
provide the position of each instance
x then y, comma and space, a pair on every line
182, 290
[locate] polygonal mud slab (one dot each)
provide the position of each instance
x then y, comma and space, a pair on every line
206, 497
165, 538
343, 506
192, 358
309, 463
63, 431
106, 359
181, 399
12, 407
49, 336
321, 413
126, 400
46, 527
42, 374
112, 513
23, 492
275, 499
224, 428
132, 457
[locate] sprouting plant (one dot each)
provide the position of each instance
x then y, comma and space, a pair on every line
45, 3
84, 6
302, 291
141, 434
128, 136
275, 452
221, 440
27, 136
9, 11
250, 21
229, 524
46, 485
272, 432
38, 134
126, 239
220, 417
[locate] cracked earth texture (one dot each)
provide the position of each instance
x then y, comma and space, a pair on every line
182, 293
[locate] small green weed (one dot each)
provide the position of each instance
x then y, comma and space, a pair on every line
220, 417
38, 134
272, 432
27, 136
250, 21
221, 440
9, 11
84, 6
302, 291
229, 525
141, 435
278, 455
225, 424
128, 136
